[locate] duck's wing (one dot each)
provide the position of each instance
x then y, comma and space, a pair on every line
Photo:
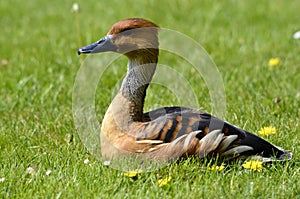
174, 124
167, 124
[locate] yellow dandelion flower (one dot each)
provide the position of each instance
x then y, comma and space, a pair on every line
268, 130
217, 168
254, 165
163, 182
273, 62
132, 174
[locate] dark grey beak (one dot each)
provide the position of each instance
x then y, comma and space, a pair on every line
103, 45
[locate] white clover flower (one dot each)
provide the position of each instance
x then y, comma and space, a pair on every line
297, 35
30, 170
86, 161
106, 163
48, 172
75, 7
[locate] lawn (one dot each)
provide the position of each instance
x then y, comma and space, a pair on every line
42, 155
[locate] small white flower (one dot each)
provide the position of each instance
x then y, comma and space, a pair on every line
106, 163
86, 161
75, 7
297, 35
2, 179
30, 170
48, 172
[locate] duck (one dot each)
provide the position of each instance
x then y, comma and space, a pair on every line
168, 133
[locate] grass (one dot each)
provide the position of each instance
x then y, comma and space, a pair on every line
38, 67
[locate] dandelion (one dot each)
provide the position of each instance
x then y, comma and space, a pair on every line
268, 130
217, 168
254, 165
163, 182
86, 161
2, 179
132, 174
297, 35
48, 172
273, 62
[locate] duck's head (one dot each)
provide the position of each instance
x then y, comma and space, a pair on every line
129, 37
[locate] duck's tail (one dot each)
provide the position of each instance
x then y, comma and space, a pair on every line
267, 151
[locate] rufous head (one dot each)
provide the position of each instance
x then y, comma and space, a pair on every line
129, 36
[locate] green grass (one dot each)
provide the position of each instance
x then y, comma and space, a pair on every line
39, 40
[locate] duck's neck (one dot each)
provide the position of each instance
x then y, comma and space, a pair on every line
140, 72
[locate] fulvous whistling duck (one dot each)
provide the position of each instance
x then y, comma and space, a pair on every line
168, 133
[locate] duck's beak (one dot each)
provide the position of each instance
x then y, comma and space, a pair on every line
103, 45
